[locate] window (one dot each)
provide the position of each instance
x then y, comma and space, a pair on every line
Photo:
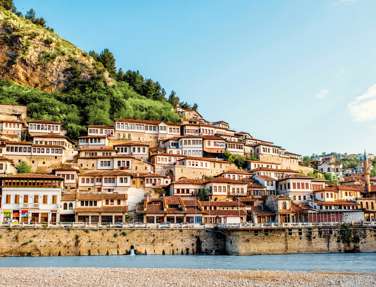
17, 199
26, 199
7, 199
45, 199
54, 199
36, 199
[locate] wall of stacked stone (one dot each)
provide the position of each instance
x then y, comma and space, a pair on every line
75, 242
301, 240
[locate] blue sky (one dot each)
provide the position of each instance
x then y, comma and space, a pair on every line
301, 73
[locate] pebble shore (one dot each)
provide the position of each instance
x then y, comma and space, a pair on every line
176, 277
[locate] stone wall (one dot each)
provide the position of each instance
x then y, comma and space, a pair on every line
300, 240
18, 241
71, 242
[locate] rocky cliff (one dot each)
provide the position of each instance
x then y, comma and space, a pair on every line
37, 57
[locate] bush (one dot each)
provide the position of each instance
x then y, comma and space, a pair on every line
23, 167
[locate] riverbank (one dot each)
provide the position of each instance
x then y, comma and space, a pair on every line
66, 277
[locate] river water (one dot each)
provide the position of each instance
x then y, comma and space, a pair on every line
359, 262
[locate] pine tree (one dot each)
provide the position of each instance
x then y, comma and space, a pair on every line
108, 60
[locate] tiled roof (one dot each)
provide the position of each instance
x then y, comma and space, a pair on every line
226, 180
103, 209
190, 181
106, 173
150, 122
100, 196
44, 122
222, 203
31, 176
335, 203
131, 143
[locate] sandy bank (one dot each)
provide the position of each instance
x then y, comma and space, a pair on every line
176, 277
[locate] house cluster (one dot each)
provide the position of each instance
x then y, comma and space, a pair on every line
161, 172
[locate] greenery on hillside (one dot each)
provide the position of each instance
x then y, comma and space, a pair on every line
89, 103
373, 170
88, 95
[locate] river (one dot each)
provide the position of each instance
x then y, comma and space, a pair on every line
355, 262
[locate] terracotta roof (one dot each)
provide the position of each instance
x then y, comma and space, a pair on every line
108, 156
266, 162
203, 159
101, 126
171, 200
103, 209
93, 136
253, 185
100, 196
182, 137
106, 173
31, 176
168, 154
267, 178
222, 203
226, 180
335, 203
190, 181
225, 213
213, 138
150, 122
31, 144
45, 122
50, 135
133, 143
99, 148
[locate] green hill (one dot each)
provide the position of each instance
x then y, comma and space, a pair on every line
58, 81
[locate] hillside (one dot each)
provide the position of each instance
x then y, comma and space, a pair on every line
34, 56
58, 81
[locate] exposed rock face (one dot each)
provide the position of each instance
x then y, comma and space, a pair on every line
34, 56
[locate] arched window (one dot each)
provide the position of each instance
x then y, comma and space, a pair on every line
71, 206
65, 206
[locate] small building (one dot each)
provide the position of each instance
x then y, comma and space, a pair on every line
45, 127
31, 198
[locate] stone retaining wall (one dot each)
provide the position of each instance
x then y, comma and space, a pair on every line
301, 240
73, 242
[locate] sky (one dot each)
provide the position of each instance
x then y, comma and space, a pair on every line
301, 73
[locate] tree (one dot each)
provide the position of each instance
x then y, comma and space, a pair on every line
23, 167
238, 160
108, 60
203, 194
31, 15
7, 4
331, 177
306, 161
373, 168
173, 99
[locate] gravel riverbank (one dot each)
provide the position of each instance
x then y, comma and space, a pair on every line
176, 277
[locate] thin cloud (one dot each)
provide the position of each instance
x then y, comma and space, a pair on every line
344, 2
363, 107
322, 94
